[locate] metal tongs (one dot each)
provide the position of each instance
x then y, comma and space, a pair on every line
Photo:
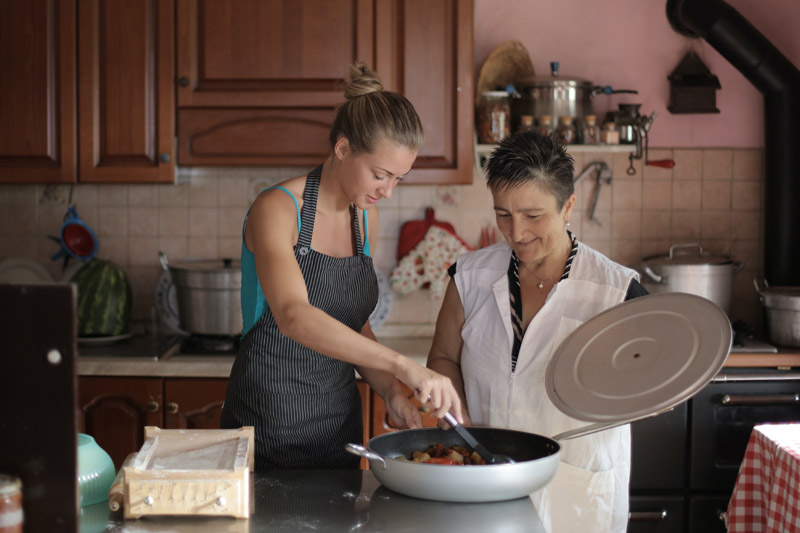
489, 457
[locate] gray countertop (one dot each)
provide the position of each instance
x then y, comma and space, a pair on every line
332, 500
144, 356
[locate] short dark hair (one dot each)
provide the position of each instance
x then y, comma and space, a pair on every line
532, 157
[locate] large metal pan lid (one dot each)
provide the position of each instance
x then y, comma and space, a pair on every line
639, 358
687, 254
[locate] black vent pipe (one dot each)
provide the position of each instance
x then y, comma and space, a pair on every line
779, 81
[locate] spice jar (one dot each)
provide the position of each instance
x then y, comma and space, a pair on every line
10, 504
545, 126
525, 123
565, 131
591, 132
494, 117
609, 135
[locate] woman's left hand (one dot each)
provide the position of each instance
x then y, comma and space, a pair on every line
404, 413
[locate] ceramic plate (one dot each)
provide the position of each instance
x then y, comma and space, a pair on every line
384, 305
639, 358
21, 270
99, 341
167, 302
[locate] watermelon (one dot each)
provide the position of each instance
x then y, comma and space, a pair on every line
105, 299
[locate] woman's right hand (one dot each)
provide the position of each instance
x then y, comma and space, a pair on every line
432, 388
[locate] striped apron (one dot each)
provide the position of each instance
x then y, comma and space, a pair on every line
305, 406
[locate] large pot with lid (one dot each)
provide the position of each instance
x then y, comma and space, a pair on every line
557, 96
688, 268
782, 309
208, 295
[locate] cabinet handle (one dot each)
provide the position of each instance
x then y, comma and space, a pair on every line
163, 157
647, 516
153, 406
172, 408
760, 399
183, 81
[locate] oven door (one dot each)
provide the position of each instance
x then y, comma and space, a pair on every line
723, 415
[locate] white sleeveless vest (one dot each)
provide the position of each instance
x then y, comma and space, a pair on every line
590, 490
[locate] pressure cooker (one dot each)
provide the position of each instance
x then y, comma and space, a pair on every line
688, 268
208, 295
557, 96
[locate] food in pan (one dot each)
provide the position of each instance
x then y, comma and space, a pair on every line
439, 455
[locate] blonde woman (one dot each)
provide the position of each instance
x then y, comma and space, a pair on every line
309, 287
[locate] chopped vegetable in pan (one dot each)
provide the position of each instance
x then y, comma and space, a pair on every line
438, 454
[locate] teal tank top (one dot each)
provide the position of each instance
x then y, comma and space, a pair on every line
253, 303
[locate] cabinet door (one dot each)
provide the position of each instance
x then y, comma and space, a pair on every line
125, 85
382, 422
115, 410
364, 390
259, 80
37, 91
424, 51
193, 403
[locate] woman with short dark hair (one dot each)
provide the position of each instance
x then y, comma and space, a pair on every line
509, 306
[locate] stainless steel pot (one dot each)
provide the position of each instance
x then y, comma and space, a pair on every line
208, 295
688, 268
782, 306
557, 96
537, 461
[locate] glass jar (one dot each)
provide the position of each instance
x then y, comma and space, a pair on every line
525, 123
565, 131
494, 117
10, 504
609, 135
545, 126
591, 132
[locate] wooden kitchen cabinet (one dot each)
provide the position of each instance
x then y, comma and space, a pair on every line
37, 91
259, 81
112, 122
115, 410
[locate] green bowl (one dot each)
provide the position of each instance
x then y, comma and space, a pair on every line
95, 471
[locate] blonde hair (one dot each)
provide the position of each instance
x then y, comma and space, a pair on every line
370, 113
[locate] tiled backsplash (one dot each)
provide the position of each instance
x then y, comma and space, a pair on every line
712, 196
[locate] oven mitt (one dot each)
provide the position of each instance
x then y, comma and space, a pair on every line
427, 262
413, 231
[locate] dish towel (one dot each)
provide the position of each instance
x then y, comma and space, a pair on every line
427, 262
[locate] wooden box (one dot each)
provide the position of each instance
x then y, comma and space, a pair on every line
190, 472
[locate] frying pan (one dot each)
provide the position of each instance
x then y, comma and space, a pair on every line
632, 361
537, 460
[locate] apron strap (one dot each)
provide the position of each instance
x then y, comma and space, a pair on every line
309, 211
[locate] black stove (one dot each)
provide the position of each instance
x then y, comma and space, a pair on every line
195, 344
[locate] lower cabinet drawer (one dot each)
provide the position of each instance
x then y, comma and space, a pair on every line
657, 514
707, 513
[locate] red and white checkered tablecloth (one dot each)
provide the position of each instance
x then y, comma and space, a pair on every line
766, 497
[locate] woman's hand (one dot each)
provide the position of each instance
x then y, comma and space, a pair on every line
404, 413
431, 388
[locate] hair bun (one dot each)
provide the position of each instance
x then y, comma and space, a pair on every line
362, 81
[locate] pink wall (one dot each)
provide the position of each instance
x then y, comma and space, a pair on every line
629, 44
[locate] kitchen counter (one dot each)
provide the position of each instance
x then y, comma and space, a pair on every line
331, 500
137, 357
122, 360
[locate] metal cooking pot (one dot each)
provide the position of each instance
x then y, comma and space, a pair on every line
557, 96
208, 295
688, 268
537, 461
782, 306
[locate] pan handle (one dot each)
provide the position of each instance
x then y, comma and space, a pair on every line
361, 451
